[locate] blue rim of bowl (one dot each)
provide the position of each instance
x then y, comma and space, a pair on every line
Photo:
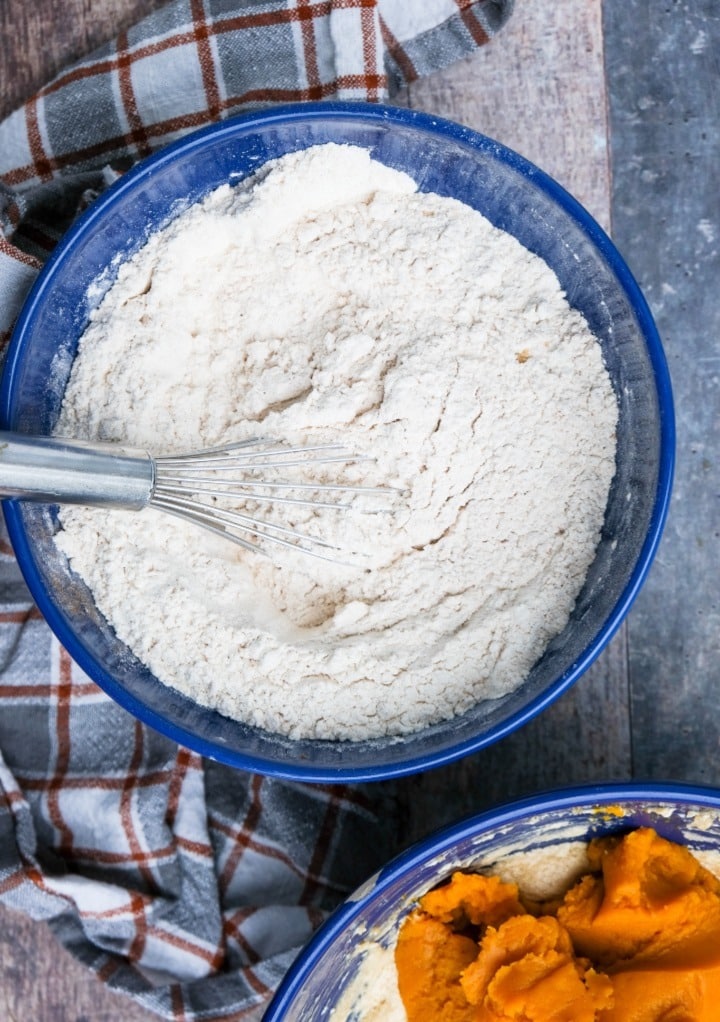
581, 797
431, 125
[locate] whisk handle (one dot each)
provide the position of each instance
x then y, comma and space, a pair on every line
57, 471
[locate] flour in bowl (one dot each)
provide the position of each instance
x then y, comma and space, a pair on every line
329, 300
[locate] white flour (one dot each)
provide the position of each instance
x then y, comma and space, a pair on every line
332, 301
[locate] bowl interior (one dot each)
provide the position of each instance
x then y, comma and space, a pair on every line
443, 158
559, 823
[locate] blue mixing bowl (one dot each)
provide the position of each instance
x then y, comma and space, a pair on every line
560, 823
441, 157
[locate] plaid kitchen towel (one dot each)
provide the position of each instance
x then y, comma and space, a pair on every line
179, 881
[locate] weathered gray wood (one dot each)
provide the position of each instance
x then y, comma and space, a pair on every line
539, 88
37, 40
664, 84
41, 982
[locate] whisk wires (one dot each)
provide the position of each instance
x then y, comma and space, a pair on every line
195, 486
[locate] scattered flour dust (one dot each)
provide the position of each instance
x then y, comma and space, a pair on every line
328, 300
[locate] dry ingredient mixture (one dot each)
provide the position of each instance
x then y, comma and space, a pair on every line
637, 939
327, 300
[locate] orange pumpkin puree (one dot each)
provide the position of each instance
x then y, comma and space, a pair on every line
636, 940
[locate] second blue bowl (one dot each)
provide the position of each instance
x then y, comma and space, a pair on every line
540, 840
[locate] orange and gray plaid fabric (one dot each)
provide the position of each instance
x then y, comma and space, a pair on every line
181, 882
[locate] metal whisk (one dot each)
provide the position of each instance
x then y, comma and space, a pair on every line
191, 486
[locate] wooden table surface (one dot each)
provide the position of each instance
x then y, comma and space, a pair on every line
620, 101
